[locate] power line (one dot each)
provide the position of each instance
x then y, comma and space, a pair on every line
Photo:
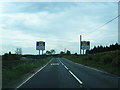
106, 23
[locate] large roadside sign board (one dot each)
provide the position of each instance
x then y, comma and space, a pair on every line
85, 45
40, 45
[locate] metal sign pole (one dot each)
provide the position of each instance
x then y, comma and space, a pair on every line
40, 45
83, 51
39, 52
42, 52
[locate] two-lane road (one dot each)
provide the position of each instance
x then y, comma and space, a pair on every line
62, 73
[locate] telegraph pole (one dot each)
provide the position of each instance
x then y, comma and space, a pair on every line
80, 43
65, 50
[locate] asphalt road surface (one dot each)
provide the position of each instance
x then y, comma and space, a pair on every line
62, 73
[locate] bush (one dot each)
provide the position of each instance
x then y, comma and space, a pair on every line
10, 75
97, 59
24, 67
10, 57
87, 57
116, 61
106, 59
20, 68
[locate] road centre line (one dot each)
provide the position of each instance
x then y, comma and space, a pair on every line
90, 67
80, 82
33, 75
65, 67
75, 77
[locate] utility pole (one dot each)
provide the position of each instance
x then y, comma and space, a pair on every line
80, 43
65, 50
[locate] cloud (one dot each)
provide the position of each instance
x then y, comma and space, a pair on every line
34, 7
58, 24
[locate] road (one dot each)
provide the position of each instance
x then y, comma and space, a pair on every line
63, 73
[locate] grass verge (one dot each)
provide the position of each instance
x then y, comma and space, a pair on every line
106, 61
16, 72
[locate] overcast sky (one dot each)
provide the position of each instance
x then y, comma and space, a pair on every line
59, 24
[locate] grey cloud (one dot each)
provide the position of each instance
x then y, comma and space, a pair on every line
33, 7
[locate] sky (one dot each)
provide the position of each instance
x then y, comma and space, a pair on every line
59, 24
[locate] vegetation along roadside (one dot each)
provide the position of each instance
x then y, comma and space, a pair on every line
14, 68
106, 61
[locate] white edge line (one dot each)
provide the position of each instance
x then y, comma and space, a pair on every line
72, 74
90, 67
32, 75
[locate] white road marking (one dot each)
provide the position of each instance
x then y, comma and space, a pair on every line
80, 82
88, 67
54, 64
75, 77
91, 68
65, 67
61, 62
32, 75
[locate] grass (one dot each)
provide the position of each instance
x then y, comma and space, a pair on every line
14, 70
11, 74
107, 61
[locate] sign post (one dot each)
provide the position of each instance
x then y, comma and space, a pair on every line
40, 45
85, 45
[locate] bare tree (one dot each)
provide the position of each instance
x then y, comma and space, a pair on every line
18, 51
48, 52
52, 51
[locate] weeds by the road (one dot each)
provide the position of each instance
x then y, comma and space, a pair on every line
107, 61
14, 70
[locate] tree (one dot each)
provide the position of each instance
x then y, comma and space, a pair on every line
104, 49
61, 52
9, 53
68, 52
75, 53
18, 51
52, 51
48, 52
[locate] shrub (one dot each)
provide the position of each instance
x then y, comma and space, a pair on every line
116, 61
97, 59
106, 59
87, 58
10, 57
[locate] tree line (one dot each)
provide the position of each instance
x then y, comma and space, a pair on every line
101, 48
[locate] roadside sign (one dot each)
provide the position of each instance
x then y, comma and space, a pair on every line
85, 45
40, 45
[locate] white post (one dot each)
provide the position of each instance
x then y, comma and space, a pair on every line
80, 43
